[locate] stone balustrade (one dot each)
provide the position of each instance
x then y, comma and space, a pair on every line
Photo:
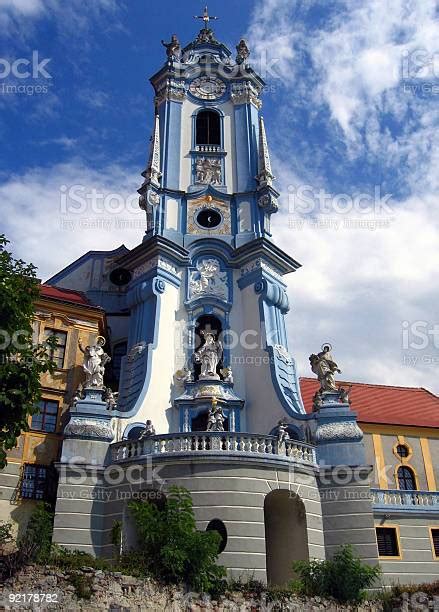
413, 500
197, 443
207, 148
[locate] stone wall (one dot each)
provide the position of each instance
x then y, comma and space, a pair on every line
115, 592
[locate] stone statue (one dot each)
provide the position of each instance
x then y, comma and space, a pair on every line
324, 367
95, 359
282, 432
242, 52
344, 395
209, 355
216, 418
148, 431
227, 375
172, 48
111, 398
184, 375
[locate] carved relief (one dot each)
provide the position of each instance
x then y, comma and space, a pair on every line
208, 171
208, 279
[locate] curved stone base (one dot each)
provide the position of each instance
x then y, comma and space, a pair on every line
231, 489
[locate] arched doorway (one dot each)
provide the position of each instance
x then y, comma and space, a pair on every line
286, 537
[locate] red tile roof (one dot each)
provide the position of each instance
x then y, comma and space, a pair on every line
413, 406
65, 295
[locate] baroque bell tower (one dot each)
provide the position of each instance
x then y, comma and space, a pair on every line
208, 396
207, 277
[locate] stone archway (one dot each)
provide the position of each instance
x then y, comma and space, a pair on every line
286, 538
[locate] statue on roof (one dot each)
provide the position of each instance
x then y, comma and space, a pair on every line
324, 367
173, 48
242, 52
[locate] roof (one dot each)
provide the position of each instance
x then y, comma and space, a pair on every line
64, 295
384, 404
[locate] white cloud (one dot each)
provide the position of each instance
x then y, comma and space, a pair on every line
18, 17
357, 286
49, 228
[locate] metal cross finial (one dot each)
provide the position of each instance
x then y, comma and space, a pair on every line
205, 17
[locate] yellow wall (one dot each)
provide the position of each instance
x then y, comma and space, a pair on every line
383, 456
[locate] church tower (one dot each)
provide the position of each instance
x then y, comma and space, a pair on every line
208, 262
209, 397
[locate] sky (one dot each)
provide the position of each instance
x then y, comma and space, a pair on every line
351, 112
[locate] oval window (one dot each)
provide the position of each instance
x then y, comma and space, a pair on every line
209, 218
218, 526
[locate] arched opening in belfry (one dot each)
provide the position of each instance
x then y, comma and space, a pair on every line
207, 323
208, 128
286, 538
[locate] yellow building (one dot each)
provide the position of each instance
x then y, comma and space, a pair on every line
30, 475
401, 439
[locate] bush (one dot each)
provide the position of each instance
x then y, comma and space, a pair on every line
38, 537
344, 577
6, 536
34, 546
75, 559
83, 585
171, 548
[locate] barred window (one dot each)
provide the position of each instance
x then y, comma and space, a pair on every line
45, 419
57, 354
34, 484
435, 540
406, 479
387, 541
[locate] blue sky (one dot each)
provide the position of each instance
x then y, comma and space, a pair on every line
351, 108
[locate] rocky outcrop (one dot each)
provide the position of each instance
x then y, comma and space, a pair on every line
88, 589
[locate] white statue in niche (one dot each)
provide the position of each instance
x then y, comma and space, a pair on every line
209, 355
208, 279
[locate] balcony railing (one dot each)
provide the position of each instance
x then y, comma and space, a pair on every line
208, 148
405, 500
227, 443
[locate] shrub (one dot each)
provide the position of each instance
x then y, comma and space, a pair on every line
75, 559
34, 546
6, 536
83, 585
38, 537
344, 577
171, 547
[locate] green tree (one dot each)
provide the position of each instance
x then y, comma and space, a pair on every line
172, 549
21, 362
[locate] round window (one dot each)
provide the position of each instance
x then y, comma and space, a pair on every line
402, 450
209, 218
218, 526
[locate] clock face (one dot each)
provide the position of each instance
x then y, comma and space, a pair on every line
207, 88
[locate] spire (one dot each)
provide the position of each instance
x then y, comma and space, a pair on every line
265, 176
152, 173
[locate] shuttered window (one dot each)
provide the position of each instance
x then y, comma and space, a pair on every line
387, 542
435, 539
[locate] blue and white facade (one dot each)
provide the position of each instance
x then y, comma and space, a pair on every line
208, 263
